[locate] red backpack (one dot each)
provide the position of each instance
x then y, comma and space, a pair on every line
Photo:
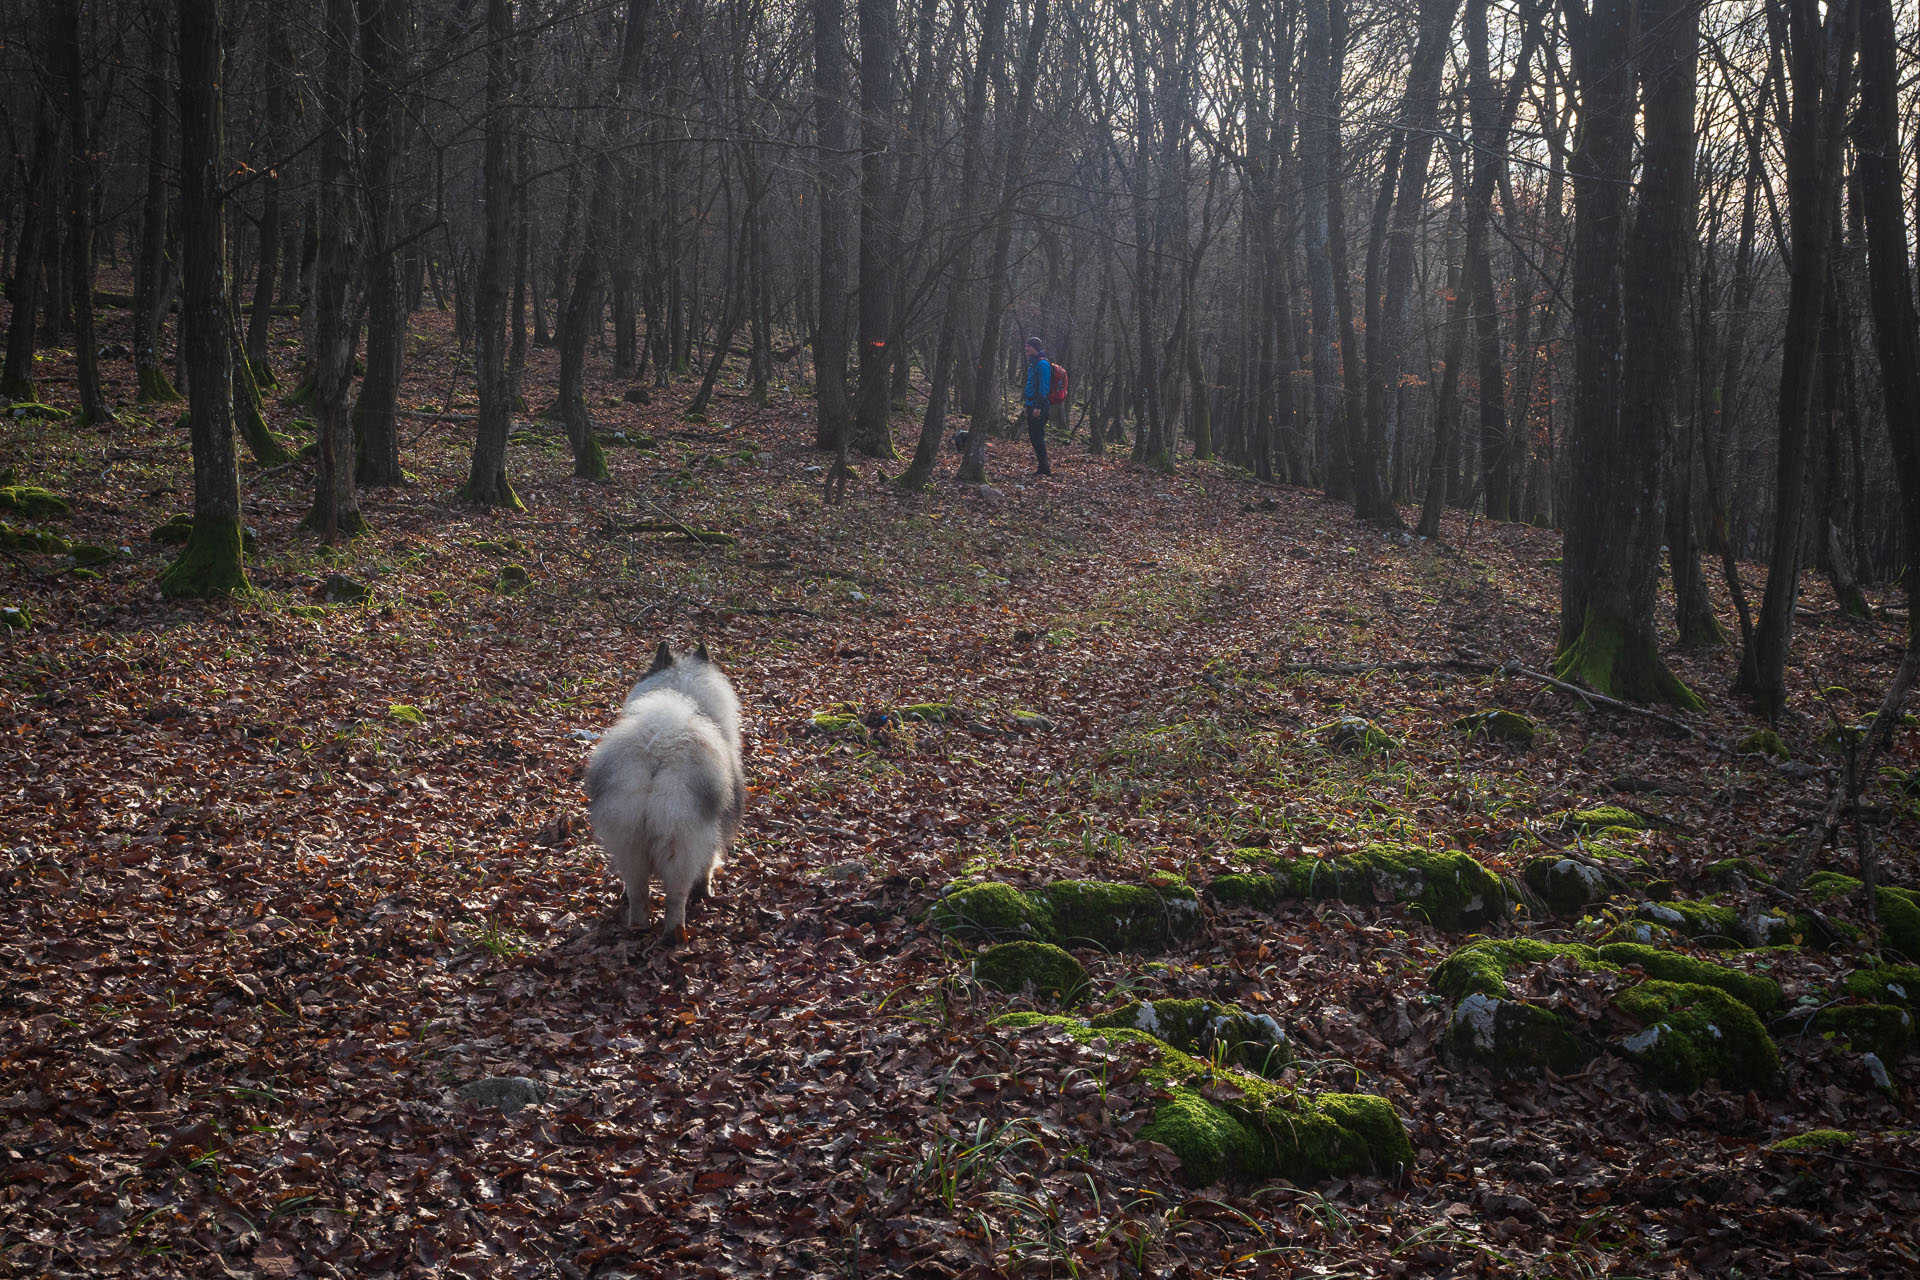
1057, 392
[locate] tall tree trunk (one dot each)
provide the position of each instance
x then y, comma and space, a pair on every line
1896, 328
1319, 138
1612, 543
586, 298
958, 270
386, 41
1817, 44
833, 127
336, 502
210, 564
986, 405
29, 263
487, 474
1387, 345
878, 235
278, 92
154, 266
83, 197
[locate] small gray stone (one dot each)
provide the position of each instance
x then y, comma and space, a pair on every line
508, 1093
340, 589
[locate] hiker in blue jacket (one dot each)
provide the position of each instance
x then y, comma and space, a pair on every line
1039, 386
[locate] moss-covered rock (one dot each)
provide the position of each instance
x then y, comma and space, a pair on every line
992, 911
1219, 1033
1706, 922
338, 588
1568, 887
1737, 873
1898, 909
1447, 888
1099, 913
1815, 1140
1231, 1125
511, 579
841, 720
311, 612
1355, 736
1498, 726
33, 502
15, 618
1763, 742
34, 411
1037, 969
24, 541
89, 555
1762, 995
1480, 968
174, 532
1603, 818
1691, 1034
1883, 1029
931, 712
1886, 984
1513, 1038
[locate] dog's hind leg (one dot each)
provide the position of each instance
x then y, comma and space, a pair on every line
634, 877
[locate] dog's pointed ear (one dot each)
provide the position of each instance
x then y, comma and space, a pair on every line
700, 652
662, 659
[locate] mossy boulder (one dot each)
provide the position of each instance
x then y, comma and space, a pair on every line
1602, 819
1513, 1038
1498, 726
512, 579
21, 541
1037, 969
13, 617
1886, 984
338, 588
1763, 742
1883, 1029
1232, 1125
1447, 888
33, 502
1898, 909
1480, 968
1690, 1034
1737, 873
89, 555
1355, 736
1762, 995
1705, 922
841, 720
930, 712
174, 532
34, 411
1099, 913
1218, 1033
1568, 887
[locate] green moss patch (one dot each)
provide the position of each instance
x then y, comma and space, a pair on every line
34, 411
1037, 969
1355, 736
15, 618
1231, 1125
1883, 1029
1447, 888
1113, 917
33, 502
1762, 995
1815, 1140
932, 712
1691, 1034
1219, 1033
841, 720
1705, 921
311, 612
1498, 726
1898, 909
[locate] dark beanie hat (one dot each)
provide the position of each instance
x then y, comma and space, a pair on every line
1036, 344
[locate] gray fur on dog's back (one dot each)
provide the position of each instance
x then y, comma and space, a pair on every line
665, 784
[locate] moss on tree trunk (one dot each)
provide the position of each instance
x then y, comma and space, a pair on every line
1620, 661
210, 564
154, 387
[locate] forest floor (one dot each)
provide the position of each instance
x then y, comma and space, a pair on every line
280, 876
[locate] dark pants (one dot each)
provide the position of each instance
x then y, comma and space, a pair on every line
1037, 433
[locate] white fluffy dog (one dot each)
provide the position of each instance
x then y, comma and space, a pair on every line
665, 785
